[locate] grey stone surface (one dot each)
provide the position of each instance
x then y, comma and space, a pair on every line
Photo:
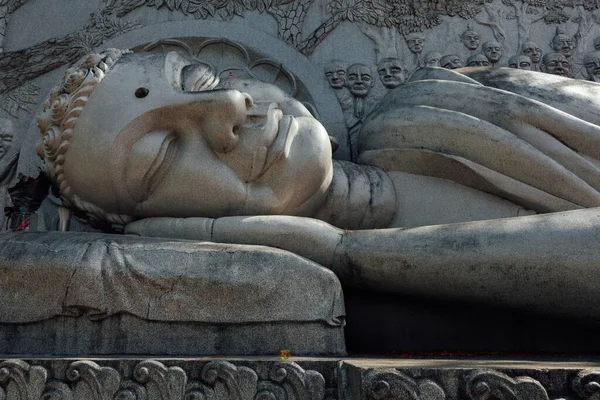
259, 298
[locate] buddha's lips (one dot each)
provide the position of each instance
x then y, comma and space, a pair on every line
266, 156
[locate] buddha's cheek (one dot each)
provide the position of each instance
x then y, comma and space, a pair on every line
304, 173
197, 184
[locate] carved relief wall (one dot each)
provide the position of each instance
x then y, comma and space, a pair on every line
268, 379
339, 56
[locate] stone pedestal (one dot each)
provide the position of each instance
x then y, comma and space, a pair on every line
86, 294
298, 378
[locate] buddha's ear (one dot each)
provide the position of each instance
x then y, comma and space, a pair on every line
175, 62
188, 74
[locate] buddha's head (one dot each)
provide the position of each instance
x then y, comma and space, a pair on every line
129, 136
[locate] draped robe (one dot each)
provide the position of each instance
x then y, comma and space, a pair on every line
527, 137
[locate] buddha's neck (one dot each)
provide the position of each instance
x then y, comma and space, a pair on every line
360, 197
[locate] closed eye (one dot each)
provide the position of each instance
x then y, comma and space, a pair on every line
148, 163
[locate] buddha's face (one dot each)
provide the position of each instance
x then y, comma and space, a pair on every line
493, 51
533, 51
144, 147
556, 64
519, 62
563, 44
478, 60
470, 39
591, 62
391, 72
360, 80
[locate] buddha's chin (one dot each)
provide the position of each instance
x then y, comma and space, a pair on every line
297, 197
302, 174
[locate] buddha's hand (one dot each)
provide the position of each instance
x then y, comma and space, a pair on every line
307, 237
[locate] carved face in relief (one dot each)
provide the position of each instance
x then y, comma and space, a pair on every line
470, 39
532, 50
335, 72
478, 60
6, 135
432, 59
591, 61
451, 61
597, 43
493, 51
145, 146
556, 64
360, 80
415, 42
563, 44
520, 62
391, 72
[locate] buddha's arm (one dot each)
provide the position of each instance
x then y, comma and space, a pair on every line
307, 237
545, 263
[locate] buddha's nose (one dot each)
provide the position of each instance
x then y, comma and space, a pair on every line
217, 115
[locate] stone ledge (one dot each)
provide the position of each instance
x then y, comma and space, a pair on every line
267, 378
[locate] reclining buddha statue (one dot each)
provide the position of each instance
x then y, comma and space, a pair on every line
476, 184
